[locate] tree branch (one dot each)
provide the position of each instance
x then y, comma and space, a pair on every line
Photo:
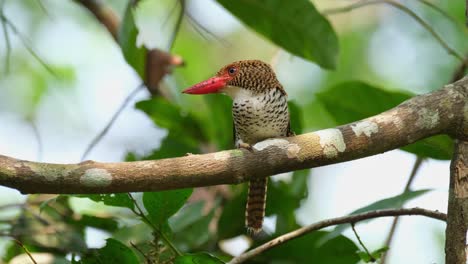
335, 221
457, 224
442, 111
103, 14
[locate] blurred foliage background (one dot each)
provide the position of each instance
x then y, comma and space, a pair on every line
62, 77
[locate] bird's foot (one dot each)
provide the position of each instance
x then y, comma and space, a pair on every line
246, 146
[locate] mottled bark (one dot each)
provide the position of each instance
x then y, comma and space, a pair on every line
442, 111
457, 223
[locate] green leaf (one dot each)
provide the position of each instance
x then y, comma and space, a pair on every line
392, 202
103, 223
353, 101
308, 249
186, 216
296, 117
168, 115
113, 199
283, 198
294, 25
127, 38
196, 234
436, 147
174, 145
162, 205
218, 120
231, 221
198, 258
375, 255
113, 252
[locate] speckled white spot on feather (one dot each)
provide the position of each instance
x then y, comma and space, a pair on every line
96, 178
278, 142
365, 127
331, 141
427, 118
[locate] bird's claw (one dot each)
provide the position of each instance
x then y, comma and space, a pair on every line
245, 146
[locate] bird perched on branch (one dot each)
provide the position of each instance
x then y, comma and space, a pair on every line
259, 110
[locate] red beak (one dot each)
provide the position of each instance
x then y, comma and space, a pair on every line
212, 85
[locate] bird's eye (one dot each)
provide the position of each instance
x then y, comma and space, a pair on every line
232, 70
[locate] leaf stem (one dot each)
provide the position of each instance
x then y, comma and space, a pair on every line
139, 212
371, 258
25, 250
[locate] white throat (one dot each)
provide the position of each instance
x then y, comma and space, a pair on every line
237, 93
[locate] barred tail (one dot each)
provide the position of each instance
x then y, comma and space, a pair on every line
256, 202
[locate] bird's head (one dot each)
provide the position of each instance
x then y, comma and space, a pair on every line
252, 76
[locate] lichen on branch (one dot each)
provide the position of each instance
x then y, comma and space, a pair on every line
444, 111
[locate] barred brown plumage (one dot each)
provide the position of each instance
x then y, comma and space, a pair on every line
259, 110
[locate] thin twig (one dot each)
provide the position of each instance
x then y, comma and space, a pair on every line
37, 135
177, 25
141, 252
7, 39
201, 29
403, 8
139, 212
440, 10
27, 45
42, 7
371, 258
466, 13
335, 221
25, 250
104, 131
173, 8
460, 70
388, 242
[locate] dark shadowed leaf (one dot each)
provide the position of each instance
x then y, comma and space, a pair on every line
308, 249
218, 120
198, 258
168, 115
294, 25
353, 101
113, 252
162, 205
375, 255
392, 202
284, 198
107, 224
296, 118
128, 33
436, 147
231, 221
113, 199
174, 145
